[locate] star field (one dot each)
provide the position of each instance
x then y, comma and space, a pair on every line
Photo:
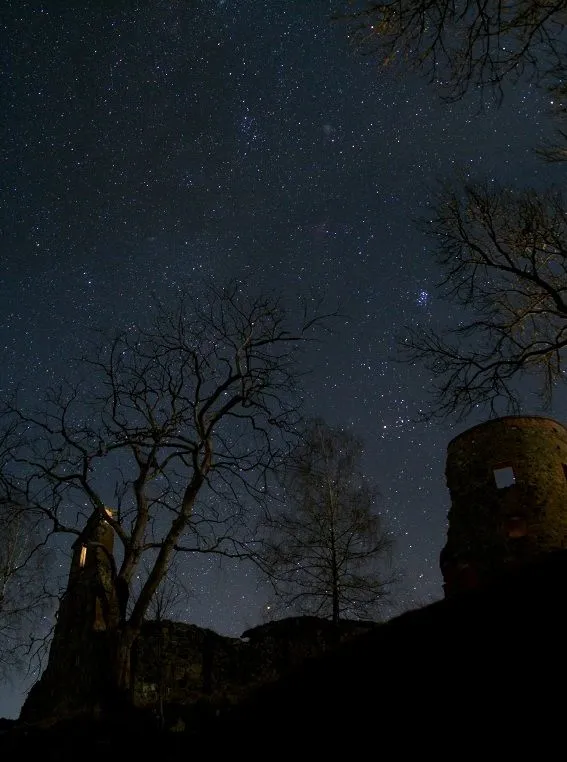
148, 145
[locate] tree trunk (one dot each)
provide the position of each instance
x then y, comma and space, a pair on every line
335, 571
336, 607
125, 639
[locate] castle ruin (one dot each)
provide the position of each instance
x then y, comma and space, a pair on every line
507, 480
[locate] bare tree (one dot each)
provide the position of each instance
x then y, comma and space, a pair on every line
324, 546
504, 258
466, 44
24, 598
502, 251
175, 427
24, 565
555, 149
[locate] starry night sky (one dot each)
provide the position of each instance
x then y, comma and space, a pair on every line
148, 145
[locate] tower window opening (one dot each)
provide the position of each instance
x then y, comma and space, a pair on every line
516, 526
564, 470
504, 476
83, 556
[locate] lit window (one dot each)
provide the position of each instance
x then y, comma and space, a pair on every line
516, 526
83, 556
504, 476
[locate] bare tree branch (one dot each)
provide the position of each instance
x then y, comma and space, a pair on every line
503, 254
323, 547
466, 44
170, 437
24, 597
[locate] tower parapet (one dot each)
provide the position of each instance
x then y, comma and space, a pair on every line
508, 484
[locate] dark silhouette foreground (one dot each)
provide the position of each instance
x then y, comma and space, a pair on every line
485, 667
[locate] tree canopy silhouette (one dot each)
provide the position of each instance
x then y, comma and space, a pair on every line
466, 44
325, 544
175, 427
503, 257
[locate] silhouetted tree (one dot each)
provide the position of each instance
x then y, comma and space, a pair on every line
502, 251
185, 418
24, 599
464, 44
503, 255
24, 564
325, 545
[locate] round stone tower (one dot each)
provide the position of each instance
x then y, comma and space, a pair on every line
508, 484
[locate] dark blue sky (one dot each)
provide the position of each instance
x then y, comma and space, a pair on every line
146, 145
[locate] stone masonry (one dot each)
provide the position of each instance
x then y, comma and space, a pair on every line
508, 484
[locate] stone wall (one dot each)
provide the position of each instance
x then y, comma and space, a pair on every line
178, 668
172, 663
180, 663
177, 663
75, 682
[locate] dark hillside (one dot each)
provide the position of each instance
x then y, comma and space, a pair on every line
486, 666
